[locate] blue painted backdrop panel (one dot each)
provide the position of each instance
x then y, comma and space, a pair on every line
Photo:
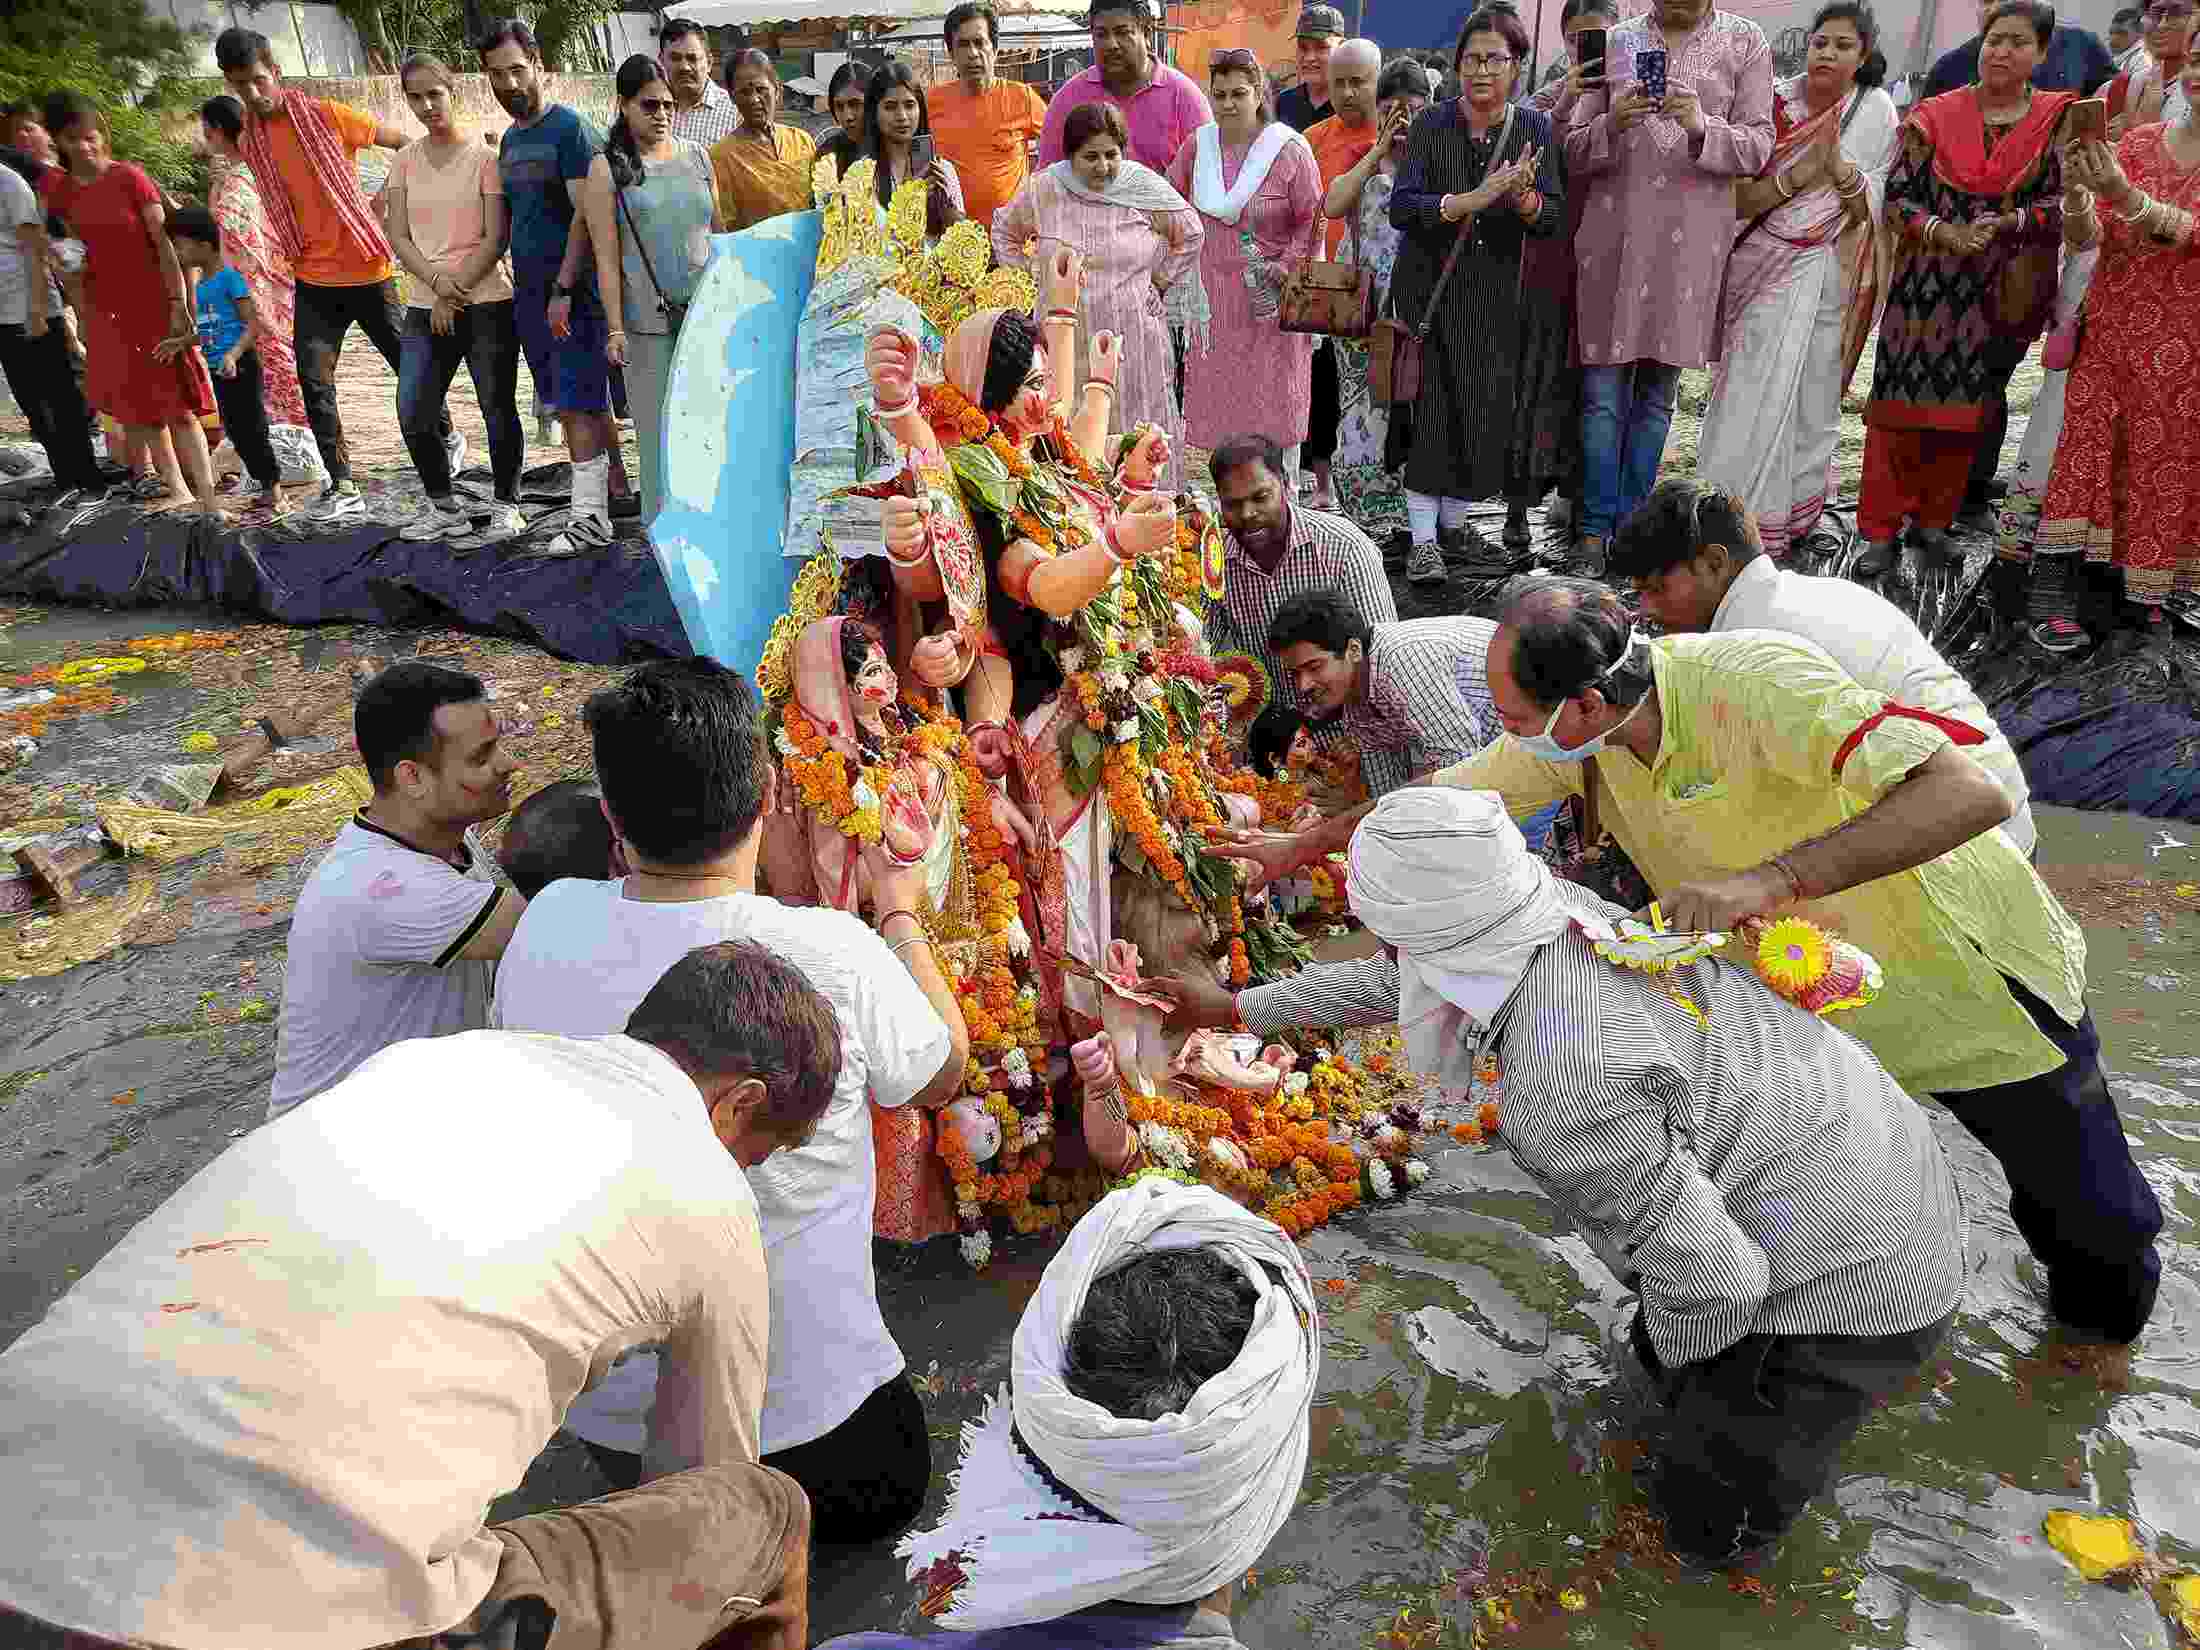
729, 439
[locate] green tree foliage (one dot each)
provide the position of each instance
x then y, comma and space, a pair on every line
117, 53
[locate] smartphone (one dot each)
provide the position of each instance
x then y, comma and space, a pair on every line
2089, 119
1650, 71
1589, 49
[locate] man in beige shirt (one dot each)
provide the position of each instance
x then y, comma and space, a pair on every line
275, 1413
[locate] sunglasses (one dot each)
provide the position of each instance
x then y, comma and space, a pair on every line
1233, 57
654, 105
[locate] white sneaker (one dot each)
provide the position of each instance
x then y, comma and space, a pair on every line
340, 501
455, 450
505, 522
442, 519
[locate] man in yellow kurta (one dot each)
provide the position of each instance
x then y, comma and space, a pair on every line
1746, 773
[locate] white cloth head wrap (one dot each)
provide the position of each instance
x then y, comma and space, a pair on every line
1197, 1495
1444, 876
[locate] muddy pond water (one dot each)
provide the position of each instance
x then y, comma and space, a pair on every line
1471, 1454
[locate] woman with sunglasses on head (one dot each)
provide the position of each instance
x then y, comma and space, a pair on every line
1257, 189
1480, 176
651, 212
897, 138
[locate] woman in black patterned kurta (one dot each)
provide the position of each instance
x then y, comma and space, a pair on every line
1975, 203
1472, 434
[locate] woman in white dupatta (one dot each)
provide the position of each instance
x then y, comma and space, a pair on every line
1140, 244
1804, 283
1257, 189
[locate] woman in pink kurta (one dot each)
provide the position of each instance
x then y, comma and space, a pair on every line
1248, 175
1655, 231
1140, 244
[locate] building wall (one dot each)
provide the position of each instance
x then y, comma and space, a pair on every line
318, 40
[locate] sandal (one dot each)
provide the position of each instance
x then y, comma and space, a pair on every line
2183, 607
2058, 635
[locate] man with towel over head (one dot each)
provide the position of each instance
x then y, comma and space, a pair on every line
1780, 1204
1149, 1445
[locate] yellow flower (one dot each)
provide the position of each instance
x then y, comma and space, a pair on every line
1793, 955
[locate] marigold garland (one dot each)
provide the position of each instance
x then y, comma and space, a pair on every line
820, 774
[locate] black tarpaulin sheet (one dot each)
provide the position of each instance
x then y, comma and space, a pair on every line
603, 608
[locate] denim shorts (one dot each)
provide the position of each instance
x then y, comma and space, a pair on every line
570, 373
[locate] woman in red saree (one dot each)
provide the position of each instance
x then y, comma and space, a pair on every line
1803, 282
1975, 205
2125, 490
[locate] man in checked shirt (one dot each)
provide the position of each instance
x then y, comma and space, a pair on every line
1411, 693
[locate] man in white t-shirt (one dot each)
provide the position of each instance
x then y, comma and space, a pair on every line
686, 781
397, 931
274, 1414
1698, 564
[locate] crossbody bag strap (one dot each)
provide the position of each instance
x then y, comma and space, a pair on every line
1466, 228
663, 304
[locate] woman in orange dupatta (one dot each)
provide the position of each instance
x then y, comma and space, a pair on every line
1975, 202
1804, 281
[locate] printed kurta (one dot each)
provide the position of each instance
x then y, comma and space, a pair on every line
1473, 428
1361, 471
1774, 417
1253, 377
2126, 484
1126, 253
1659, 220
756, 181
234, 199
1955, 327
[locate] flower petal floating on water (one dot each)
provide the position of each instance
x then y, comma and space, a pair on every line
2099, 1545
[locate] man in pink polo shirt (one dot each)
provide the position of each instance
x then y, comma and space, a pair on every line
1161, 106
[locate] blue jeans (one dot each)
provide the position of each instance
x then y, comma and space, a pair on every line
1625, 412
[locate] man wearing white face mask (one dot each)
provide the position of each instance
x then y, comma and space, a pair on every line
1746, 773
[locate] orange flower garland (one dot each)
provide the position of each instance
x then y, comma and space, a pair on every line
820, 774
1125, 782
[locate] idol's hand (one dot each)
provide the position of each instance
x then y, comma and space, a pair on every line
1149, 456
937, 661
1106, 357
1065, 278
890, 360
1147, 524
903, 521
992, 750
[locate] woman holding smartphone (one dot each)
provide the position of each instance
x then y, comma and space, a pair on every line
1549, 265
2121, 494
1804, 281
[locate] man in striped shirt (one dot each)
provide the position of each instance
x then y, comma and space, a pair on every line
1781, 1205
1413, 693
1274, 550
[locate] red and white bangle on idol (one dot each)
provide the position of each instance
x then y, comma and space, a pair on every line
1069, 315
898, 408
1114, 548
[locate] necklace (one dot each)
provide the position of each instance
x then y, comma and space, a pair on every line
699, 880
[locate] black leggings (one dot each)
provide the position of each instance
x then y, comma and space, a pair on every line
243, 401
866, 1479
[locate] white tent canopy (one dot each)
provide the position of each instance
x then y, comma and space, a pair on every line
757, 13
